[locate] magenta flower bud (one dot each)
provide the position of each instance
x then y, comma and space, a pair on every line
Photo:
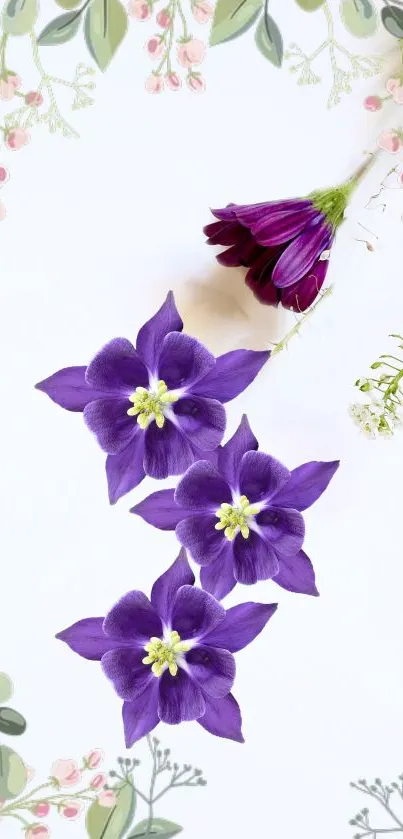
373, 103
173, 81
3, 175
390, 141
154, 84
98, 781
164, 18
66, 773
94, 758
71, 809
107, 799
42, 809
34, 98
202, 11
17, 138
191, 52
37, 831
196, 83
139, 9
8, 85
155, 47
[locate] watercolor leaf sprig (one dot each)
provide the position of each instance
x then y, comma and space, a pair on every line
383, 413
382, 794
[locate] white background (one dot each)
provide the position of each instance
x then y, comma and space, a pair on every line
98, 230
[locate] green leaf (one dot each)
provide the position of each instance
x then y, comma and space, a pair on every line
112, 822
68, 4
105, 28
269, 40
392, 19
232, 18
11, 722
19, 16
6, 687
13, 774
60, 30
310, 5
359, 17
159, 827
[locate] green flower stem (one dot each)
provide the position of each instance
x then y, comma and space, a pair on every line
46, 83
283, 344
29, 801
166, 58
183, 19
3, 45
153, 749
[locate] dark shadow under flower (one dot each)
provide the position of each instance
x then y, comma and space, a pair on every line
171, 658
241, 521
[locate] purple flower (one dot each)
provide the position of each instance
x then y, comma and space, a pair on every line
284, 244
171, 658
242, 521
157, 408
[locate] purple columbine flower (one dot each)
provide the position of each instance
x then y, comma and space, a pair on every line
171, 658
242, 521
155, 408
284, 244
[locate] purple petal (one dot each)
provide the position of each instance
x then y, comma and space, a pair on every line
261, 476
211, 456
88, 639
202, 488
284, 530
152, 334
300, 296
140, 717
281, 227
223, 718
126, 672
125, 470
198, 534
213, 669
254, 559
222, 232
165, 588
160, 510
299, 257
250, 214
183, 361
233, 373
195, 613
167, 451
244, 252
218, 577
69, 389
230, 455
306, 484
258, 278
180, 698
241, 625
133, 618
201, 420
296, 574
117, 368
108, 420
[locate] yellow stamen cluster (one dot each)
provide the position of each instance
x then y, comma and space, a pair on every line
163, 655
235, 519
150, 404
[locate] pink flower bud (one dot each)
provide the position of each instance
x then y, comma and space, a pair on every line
8, 85
154, 84
390, 141
173, 81
373, 103
98, 781
2, 217
202, 11
42, 809
3, 175
66, 773
398, 95
164, 18
155, 47
37, 831
94, 758
17, 138
196, 82
107, 798
191, 52
392, 84
71, 809
139, 9
34, 98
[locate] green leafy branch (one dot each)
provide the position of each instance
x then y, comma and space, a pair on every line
381, 793
384, 412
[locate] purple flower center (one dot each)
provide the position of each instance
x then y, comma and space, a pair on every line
151, 404
166, 654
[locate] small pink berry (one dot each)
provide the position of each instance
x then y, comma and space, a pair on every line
66, 773
164, 18
191, 52
196, 82
392, 84
17, 138
98, 781
34, 98
173, 81
8, 85
390, 141
139, 9
107, 798
71, 809
202, 11
42, 809
154, 84
373, 103
3, 175
14, 80
37, 831
155, 47
94, 758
